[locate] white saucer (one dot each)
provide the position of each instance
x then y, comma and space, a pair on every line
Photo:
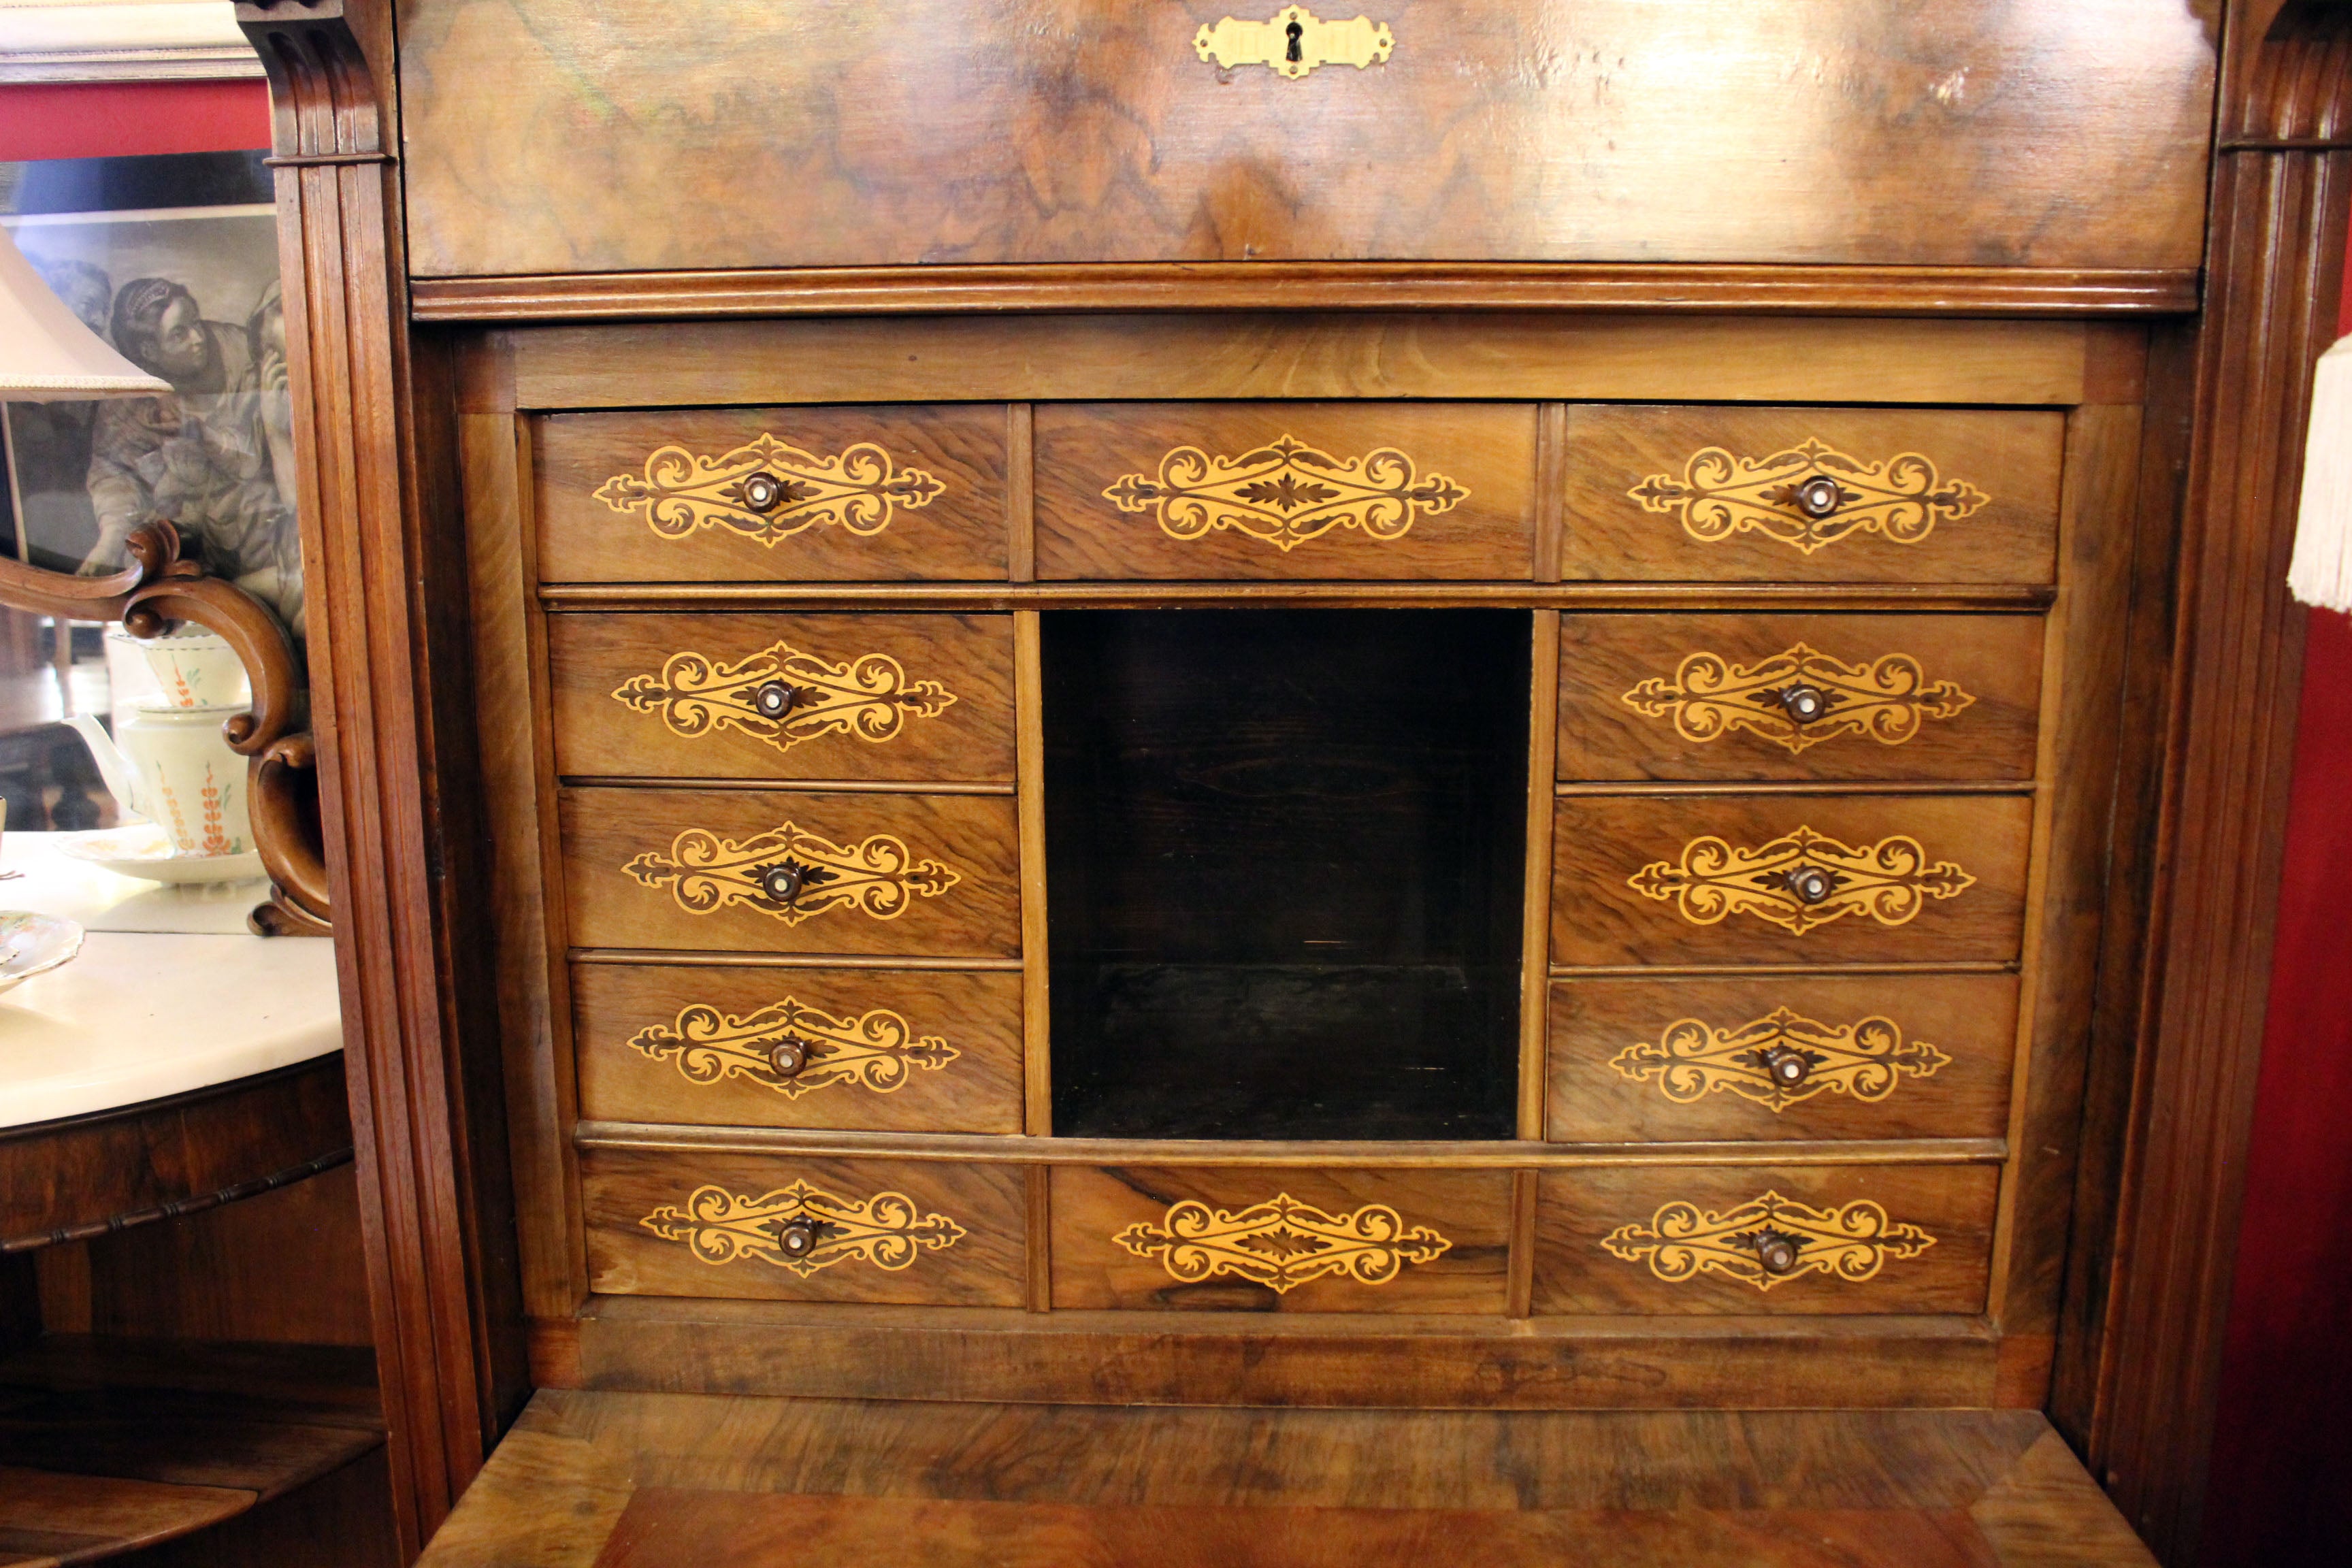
31, 943
145, 851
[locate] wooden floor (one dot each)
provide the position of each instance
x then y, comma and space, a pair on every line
633, 1480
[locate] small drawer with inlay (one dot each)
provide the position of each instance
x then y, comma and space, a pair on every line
918, 1050
917, 876
1291, 1239
1799, 697
1743, 1239
1703, 879
1285, 490
1698, 1058
925, 698
825, 494
1811, 495
783, 1227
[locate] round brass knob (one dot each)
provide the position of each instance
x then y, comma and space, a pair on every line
788, 1055
1819, 496
1777, 1253
1803, 703
783, 883
763, 492
774, 700
1785, 1066
1810, 884
798, 1237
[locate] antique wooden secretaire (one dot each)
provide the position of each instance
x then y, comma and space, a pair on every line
1482, 707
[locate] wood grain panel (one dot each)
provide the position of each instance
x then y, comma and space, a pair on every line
1577, 1272
943, 708
1486, 452
628, 141
1911, 696
1602, 842
976, 915
958, 533
975, 1015
1470, 1210
1597, 1021
981, 1266
2005, 531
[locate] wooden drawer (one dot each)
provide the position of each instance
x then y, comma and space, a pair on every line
1285, 490
677, 1223
798, 697
849, 493
911, 875
1865, 1238
1706, 879
1872, 1056
883, 1049
1698, 493
1282, 1239
1799, 697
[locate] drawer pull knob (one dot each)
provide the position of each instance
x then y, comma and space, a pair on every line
798, 1237
1788, 497
783, 696
1810, 884
1786, 1066
792, 1048
1801, 703
788, 1055
1801, 881
1767, 1240
792, 874
774, 698
782, 884
762, 492
767, 491
1797, 698
1818, 497
804, 1228
1779, 1059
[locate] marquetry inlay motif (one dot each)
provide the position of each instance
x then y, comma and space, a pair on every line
1779, 1060
783, 696
768, 491
1282, 1242
1767, 1242
1294, 42
1801, 880
1287, 493
792, 874
1809, 496
873, 1049
803, 1229
1797, 699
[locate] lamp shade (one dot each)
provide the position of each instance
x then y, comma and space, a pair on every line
45, 352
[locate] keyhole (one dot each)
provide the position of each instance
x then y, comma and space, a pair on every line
1295, 32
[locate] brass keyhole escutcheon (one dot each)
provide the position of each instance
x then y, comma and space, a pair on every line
1819, 496
774, 700
798, 1237
1777, 1253
788, 1055
763, 492
1785, 1066
1803, 703
1295, 33
1810, 884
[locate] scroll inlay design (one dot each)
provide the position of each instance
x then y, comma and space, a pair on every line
768, 491
873, 1051
1709, 697
1294, 41
1287, 493
878, 877
868, 697
1866, 1059
1721, 495
1850, 1242
885, 1230
1889, 881
1282, 1242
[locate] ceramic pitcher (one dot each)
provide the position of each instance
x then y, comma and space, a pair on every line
173, 767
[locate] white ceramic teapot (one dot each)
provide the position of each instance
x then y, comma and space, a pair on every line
173, 767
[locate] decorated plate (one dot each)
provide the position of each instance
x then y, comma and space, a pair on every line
30, 944
145, 851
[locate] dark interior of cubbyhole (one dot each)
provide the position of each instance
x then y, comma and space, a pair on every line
1284, 854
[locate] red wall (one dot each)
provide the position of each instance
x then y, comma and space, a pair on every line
112, 119
2281, 1490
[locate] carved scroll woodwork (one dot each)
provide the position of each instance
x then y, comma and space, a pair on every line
783, 696
1287, 493
875, 1050
1767, 1242
792, 874
1809, 496
1801, 880
1282, 1242
1294, 41
768, 491
804, 1228
1779, 1059
1797, 699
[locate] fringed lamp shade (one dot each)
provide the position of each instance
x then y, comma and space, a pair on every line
2322, 571
45, 352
